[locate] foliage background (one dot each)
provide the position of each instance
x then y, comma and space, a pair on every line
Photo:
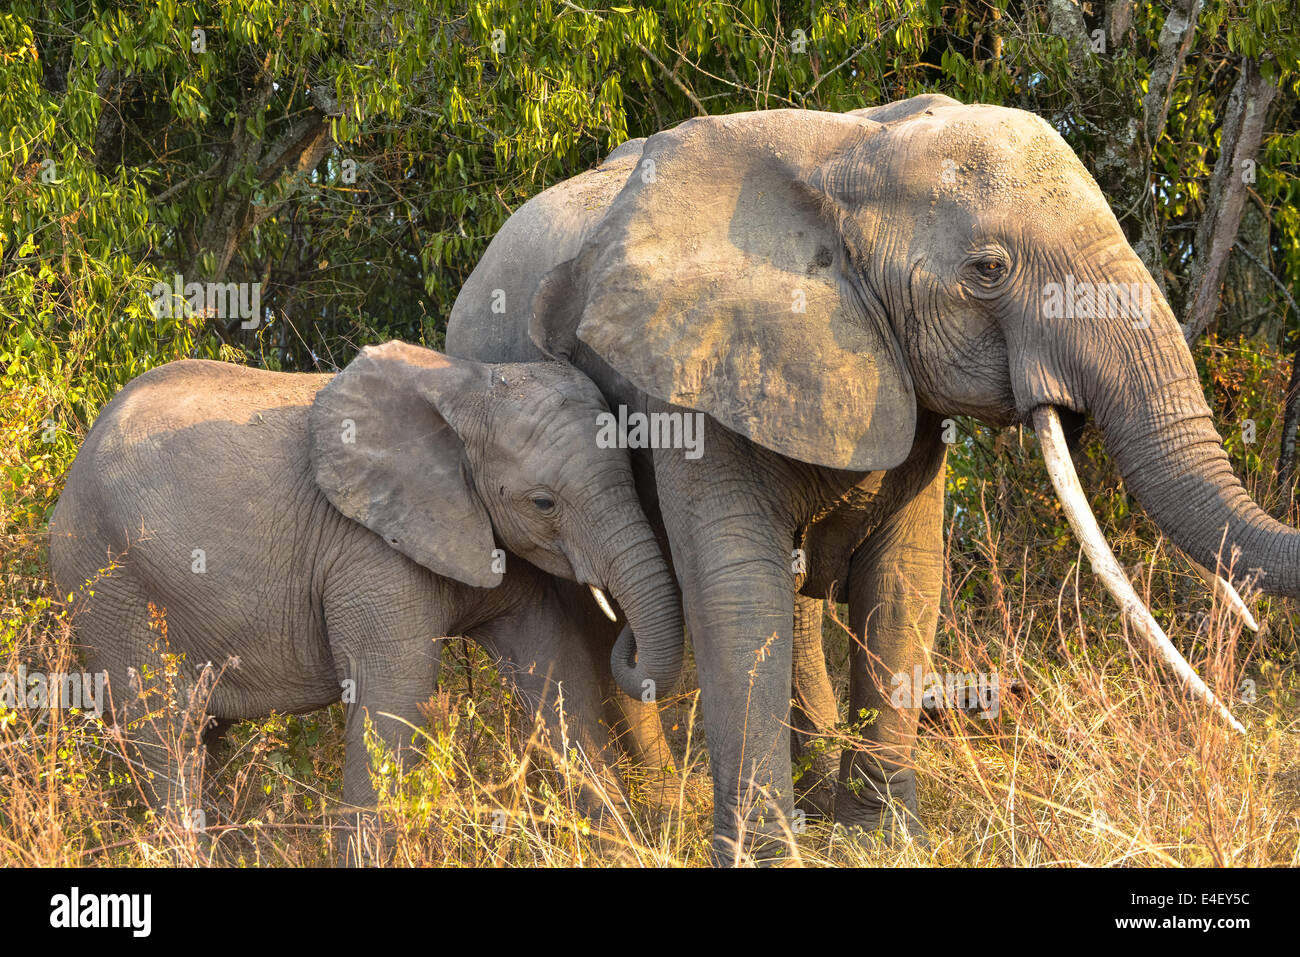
133, 147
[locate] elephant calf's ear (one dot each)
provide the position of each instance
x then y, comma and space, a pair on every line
385, 457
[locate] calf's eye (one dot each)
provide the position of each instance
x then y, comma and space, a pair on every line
544, 503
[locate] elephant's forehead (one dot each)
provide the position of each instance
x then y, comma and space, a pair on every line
997, 156
542, 414
550, 382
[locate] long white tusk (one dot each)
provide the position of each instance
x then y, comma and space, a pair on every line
603, 602
1050, 437
1223, 588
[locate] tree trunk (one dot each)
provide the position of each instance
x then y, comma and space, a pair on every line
1291, 421
1243, 130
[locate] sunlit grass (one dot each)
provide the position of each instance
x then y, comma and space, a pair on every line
1103, 761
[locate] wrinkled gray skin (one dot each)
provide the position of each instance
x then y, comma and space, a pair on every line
347, 523
826, 287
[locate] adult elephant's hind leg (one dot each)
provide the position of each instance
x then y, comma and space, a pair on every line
894, 584
814, 714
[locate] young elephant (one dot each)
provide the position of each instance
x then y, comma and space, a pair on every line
310, 538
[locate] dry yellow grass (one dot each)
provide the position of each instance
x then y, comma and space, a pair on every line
1104, 763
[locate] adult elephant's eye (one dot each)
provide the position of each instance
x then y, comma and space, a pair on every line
991, 268
544, 504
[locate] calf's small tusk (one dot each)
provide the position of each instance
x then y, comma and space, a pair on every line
603, 602
1223, 588
1066, 481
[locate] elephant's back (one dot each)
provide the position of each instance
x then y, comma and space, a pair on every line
199, 415
489, 321
191, 460
190, 392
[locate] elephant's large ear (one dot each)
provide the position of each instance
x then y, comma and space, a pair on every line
386, 455
717, 281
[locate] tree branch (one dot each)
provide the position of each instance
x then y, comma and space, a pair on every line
1175, 40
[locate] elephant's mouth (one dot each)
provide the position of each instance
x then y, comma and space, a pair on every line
1056, 455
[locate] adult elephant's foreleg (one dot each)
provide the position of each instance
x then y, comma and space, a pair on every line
740, 623
731, 538
894, 584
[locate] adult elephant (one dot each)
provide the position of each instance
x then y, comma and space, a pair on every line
826, 288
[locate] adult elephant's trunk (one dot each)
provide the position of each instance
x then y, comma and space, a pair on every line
1158, 429
647, 658
1136, 377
